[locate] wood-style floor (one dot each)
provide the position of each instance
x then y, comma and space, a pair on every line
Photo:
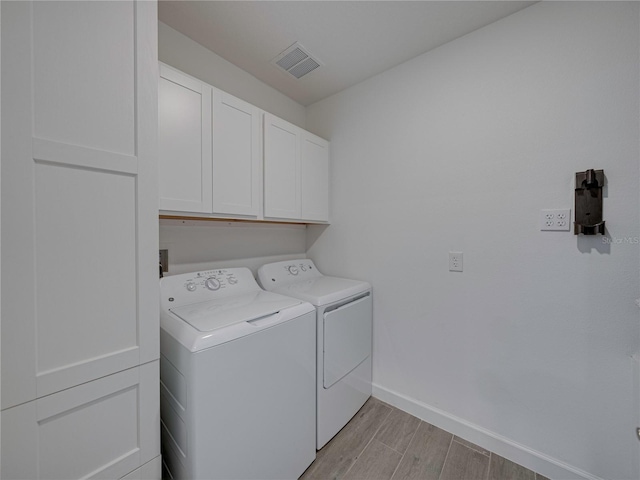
382, 443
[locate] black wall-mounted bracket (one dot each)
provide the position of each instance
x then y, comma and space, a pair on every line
588, 204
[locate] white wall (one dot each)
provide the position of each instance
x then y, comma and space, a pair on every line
529, 349
184, 54
202, 245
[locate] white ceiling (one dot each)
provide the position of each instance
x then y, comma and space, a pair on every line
354, 40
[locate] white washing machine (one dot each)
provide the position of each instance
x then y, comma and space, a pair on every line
344, 325
237, 371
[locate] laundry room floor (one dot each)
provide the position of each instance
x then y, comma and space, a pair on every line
382, 443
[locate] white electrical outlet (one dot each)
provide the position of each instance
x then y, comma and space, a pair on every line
555, 220
455, 261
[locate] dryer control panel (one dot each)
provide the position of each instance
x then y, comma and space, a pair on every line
284, 273
189, 288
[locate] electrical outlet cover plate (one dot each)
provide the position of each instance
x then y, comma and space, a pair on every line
555, 220
455, 261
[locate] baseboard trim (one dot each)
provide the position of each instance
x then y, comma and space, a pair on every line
522, 455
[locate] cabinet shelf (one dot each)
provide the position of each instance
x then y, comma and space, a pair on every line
237, 220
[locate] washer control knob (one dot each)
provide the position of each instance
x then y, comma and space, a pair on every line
212, 283
293, 270
232, 280
303, 267
191, 286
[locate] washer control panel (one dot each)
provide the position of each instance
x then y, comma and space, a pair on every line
284, 273
211, 280
206, 285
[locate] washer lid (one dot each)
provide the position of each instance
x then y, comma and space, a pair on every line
324, 290
215, 314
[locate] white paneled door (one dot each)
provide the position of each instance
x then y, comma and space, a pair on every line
79, 238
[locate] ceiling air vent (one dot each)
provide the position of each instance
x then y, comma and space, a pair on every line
296, 61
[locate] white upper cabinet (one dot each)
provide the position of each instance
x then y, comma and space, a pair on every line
236, 156
184, 155
210, 149
296, 172
218, 159
314, 178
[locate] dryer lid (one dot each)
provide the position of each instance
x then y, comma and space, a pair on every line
216, 314
324, 290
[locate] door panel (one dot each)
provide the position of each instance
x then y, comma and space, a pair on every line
96, 430
236, 156
73, 104
92, 325
281, 169
184, 143
314, 178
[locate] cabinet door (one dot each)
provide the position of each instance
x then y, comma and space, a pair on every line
236, 156
184, 157
314, 178
281, 168
79, 194
106, 428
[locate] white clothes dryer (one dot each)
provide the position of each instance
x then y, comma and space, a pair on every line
344, 331
237, 371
